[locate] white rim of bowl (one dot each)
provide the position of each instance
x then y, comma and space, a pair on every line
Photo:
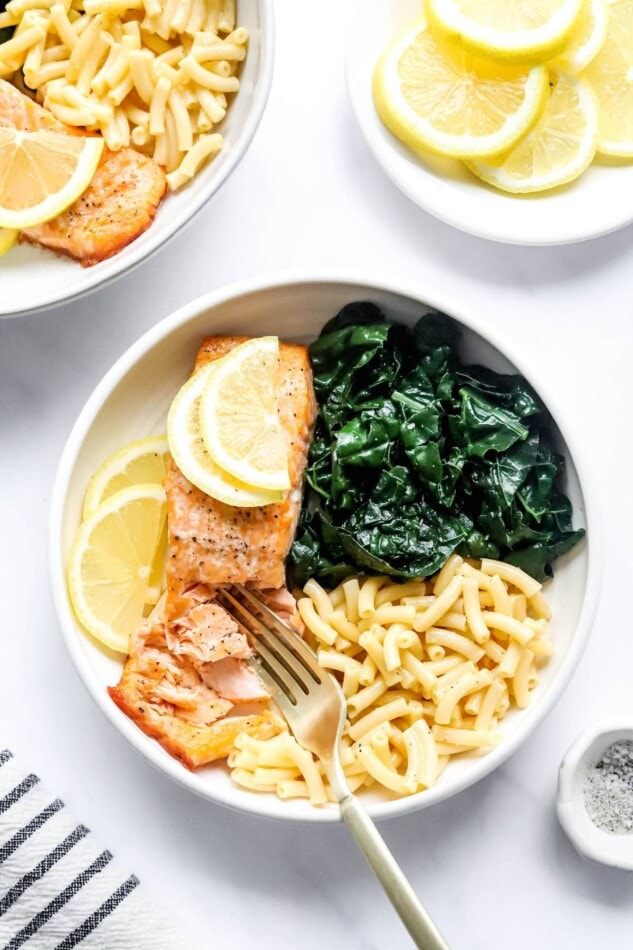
137, 255
426, 296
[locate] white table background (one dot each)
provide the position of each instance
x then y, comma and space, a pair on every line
492, 865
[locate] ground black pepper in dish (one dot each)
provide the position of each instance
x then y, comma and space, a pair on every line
608, 789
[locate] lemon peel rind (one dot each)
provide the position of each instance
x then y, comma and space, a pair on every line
418, 133
497, 45
8, 238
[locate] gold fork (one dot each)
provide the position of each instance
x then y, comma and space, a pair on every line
315, 709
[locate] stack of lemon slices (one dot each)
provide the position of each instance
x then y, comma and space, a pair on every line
525, 92
116, 563
226, 437
224, 430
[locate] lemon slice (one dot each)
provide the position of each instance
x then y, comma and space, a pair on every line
611, 75
192, 458
517, 31
559, 147
239, 415
435, 97
587, 38
7, 240
157, 582
111, 560
42, 174
144, 461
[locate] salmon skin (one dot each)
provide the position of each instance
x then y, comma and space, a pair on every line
116, 207
188, 671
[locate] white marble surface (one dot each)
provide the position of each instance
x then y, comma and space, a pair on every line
492, 865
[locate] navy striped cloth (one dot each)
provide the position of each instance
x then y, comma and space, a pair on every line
59, 888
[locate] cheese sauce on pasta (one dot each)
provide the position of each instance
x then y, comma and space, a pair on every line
428, 669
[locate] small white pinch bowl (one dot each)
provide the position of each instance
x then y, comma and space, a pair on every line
132, 400
590, 841
34, 279
586, 208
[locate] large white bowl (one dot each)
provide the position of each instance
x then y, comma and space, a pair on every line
33, 279
586, 208
132, 401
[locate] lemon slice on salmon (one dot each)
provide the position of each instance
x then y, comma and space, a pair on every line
559, 147
518, 31
435, 97
611, 75
42, 173
111, 562
144, 461
190, 453
239, 415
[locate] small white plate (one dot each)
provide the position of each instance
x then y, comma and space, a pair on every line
594, 204
589, 840
33, 278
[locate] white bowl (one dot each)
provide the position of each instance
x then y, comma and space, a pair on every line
132, 401
590, 206
589, 840
33, 278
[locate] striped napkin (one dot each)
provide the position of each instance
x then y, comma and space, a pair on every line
60, 888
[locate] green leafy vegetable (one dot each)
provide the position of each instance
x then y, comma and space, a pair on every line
416, 456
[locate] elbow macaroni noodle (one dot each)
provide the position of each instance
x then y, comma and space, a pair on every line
153, 74
428, 669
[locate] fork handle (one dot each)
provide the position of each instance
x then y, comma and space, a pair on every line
425, 934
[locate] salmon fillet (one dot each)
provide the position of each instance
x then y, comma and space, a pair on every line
187, 667
213, 543
117, 206
168, 699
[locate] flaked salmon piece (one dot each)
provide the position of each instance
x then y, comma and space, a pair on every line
116, 207
207, 634
168, 699
234, 680
212, 543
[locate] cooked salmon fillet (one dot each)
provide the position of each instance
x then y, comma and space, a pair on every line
213, 543
118, 205
168, 699
188, 667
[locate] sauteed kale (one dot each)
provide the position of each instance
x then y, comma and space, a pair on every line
417, 455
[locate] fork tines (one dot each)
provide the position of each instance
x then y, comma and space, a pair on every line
282, 656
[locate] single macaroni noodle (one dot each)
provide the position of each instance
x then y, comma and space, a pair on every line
428, 669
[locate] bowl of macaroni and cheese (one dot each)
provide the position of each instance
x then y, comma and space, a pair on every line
477, 696
177, 106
